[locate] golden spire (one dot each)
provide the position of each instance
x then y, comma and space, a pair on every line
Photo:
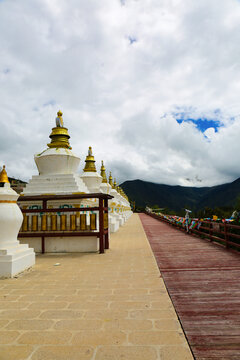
103, 173
3, 176
115, 184
59, 135
90, 162
110, 179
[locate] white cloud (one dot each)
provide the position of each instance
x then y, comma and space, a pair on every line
121, 97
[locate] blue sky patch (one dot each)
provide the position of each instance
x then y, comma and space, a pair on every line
132, 40
203, 124
50, 102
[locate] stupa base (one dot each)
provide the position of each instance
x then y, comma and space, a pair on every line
15, 260
73, 244
114, 224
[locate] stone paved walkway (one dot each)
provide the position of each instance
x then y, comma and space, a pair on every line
112, 306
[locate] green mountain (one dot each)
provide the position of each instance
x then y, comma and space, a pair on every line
176, 198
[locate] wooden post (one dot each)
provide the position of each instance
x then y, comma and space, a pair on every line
211, 231
101, 227
225, 235
107, 234
43, 245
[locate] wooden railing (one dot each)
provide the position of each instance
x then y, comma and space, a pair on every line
38, 223
225, 234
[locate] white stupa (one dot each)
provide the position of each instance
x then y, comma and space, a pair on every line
90, 176
14, 257
57, 166
105, 187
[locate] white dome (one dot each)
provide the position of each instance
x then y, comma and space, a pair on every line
57, 161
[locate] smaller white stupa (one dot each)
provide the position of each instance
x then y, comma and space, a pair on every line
90, 176
105, 186
14, 257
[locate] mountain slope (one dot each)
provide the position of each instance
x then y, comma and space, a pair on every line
179, 197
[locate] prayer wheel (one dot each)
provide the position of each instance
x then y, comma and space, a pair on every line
25, 224
34, 222
44, 223
83, 224
73, 222
93, 221
105, 220
53, 222
63, 222
77, 213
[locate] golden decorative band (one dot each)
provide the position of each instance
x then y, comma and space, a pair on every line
8, 201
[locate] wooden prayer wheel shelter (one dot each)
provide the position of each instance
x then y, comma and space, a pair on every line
43, 222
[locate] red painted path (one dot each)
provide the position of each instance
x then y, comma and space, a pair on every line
203, 280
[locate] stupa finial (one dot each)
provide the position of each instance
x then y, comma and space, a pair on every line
110, 180
90, 162
59, 119
115, 184
59, 135
103, 173
3, 176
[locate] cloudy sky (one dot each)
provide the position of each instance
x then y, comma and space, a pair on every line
152, 85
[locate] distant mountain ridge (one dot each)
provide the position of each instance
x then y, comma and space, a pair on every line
176, 197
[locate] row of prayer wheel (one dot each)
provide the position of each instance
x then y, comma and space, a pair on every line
58, 223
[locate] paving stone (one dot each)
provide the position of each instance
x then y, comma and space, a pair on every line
13, 305
61, 314
78, 324
126, 353
62, 353
31, 291
167, 324
105, 314
152, 314
161, 305
137, 291
10, 298
3, 323
156, 338
73, 298
99, 337
115, 297
128, 324
30, 325
47, 305
44, 337
13, 352
7, 337
19, 314
175, 352
37, 298
129, 305
88, 305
